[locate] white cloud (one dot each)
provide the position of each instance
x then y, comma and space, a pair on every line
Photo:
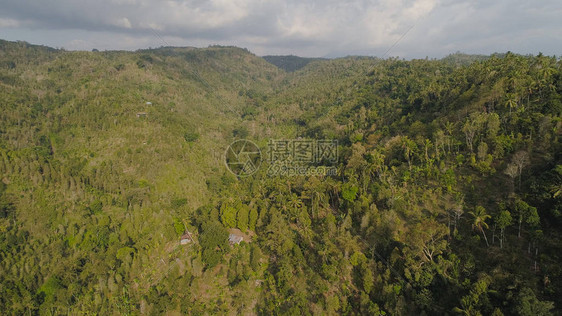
123, 22
5, 22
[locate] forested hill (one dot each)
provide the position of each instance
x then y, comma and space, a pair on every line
447, 196
466, 59
290, 63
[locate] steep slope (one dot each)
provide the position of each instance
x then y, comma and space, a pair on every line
446, 200
101, 151
289, 63
445, 184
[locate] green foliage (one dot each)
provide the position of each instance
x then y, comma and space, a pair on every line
471, 302
349, 192
367, 280
357, 258
240, 132
124, 254
51, 286
213, 241
178, 226
228, 215
253, 218
213, 236
211, 257
357, 137
242, 218
289, 63
504, 219
529, 304
177, 203
93, 198
96, 207
191, 137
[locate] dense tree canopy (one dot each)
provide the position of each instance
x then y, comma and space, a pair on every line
447, 197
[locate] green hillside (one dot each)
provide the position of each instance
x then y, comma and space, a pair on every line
447, 196
465, 59
290, 63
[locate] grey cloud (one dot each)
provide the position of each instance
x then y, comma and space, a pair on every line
311, 28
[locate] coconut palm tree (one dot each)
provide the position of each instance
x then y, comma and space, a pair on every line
479, 222
511, 101
409, 147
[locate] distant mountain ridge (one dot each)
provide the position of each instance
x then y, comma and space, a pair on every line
463, 59
290, 63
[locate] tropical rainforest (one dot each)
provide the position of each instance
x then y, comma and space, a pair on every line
447, 197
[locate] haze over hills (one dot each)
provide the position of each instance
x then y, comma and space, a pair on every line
447, 196
290, 63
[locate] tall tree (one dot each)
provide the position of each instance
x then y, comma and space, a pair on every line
479, 220
409, 147
503, 220
527, 213
521, 160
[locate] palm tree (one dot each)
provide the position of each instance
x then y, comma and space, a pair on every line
372, 168
295, 202
318, 200
480, 217
511, 101
450, 128
426, 146
409, 147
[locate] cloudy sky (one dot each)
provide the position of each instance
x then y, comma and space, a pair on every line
328, 28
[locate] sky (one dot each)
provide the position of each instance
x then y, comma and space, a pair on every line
386, 28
